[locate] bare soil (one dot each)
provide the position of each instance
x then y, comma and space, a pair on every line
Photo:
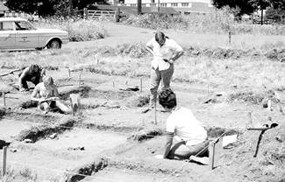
112, 140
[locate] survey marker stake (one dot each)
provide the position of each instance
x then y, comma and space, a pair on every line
141, 84
4, 160
155, 116
4, 99
212, 154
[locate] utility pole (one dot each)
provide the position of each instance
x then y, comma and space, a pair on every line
139, 7
158, 6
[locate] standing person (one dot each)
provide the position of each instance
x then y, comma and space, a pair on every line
165, 52
33, 73
46, 94
185, 129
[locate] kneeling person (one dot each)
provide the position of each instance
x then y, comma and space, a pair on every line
33, 73
46, 94
185, 128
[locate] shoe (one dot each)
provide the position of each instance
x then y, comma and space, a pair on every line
146, 110
200, 160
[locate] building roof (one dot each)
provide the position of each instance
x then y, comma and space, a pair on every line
133, 10
12, 19
3, 7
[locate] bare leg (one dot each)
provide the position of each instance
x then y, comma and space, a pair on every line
181, 151
44, 106
65, 109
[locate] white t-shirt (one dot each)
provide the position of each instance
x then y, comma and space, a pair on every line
164, 52
184, 125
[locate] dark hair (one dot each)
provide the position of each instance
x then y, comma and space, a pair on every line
167, 98
34, 68
159, 36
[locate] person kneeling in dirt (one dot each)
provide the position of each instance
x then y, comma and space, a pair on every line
46, 94
182, 127
33, 73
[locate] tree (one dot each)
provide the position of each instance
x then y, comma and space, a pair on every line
277, 11
48, 7
243, 6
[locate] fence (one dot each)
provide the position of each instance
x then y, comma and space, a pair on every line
93, 14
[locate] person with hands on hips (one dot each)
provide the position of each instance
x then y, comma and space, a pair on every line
165, 52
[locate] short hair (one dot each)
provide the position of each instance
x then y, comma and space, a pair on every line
159, 36
35, 68
167, 99
48, 80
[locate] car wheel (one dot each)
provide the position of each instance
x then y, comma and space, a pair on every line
54, 44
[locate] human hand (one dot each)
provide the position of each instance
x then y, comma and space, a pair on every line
158, 156
53, 98
41, 100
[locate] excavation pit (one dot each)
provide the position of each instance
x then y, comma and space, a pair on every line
57, 154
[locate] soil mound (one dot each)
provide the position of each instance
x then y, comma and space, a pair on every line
139, 100
269, 163
2, 112
36, 133
225, 53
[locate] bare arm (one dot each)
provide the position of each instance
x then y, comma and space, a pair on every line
21, 79
177, 55
169, 139
149, 49
35, 94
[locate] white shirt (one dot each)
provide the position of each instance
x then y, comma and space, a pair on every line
164, 52
184, 125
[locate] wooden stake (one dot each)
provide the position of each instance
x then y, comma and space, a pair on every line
155, 116
212, 154
79, 81
113, 84
4, 160
141, 84
249, 124
68, 73
4, 99
269, 104
230, 37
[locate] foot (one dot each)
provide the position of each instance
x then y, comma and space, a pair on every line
200, 160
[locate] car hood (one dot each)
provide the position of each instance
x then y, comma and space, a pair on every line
56, 31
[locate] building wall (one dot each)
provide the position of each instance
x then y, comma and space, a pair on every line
183, 6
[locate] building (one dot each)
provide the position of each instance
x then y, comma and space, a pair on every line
182, 6
3, 9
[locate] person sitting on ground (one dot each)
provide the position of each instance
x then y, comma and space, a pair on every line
33, 73
47, 96
185, 129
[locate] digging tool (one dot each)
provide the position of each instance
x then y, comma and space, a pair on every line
262, 129
11, 72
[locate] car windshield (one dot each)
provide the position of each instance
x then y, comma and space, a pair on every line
24, 25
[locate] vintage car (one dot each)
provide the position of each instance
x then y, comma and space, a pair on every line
20, 34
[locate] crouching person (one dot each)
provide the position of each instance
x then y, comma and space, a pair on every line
186, 137
46, 94
33, 73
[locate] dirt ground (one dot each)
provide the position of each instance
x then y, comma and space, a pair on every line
112, 140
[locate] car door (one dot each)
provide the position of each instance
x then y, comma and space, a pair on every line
7, 35
26, 36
